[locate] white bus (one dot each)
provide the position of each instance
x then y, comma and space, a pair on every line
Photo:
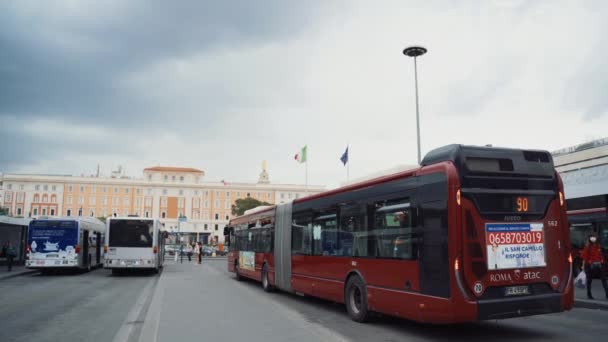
134, 243
65, 242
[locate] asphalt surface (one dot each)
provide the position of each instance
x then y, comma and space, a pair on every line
207, 303
190, 302
68, 307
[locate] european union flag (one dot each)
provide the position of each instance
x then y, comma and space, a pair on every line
344, 158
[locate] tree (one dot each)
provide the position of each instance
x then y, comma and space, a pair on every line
242, 204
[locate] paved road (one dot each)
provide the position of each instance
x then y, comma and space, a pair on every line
69, 307
207, 303
204, 302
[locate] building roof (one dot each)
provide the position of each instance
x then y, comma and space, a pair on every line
173, 169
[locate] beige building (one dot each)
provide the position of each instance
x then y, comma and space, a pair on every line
166, 193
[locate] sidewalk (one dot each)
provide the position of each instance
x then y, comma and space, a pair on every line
599, 301
15, 272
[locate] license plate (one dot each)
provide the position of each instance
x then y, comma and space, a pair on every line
517, 290
52, 255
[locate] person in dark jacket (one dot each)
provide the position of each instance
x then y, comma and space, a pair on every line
593, 262
9, 252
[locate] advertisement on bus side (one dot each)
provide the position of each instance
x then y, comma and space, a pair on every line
247, 261
515, 245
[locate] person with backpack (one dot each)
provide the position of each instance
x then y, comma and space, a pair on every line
593, 262
9, 251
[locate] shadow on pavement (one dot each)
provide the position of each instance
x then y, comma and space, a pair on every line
496, 330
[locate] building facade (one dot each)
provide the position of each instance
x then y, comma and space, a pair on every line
167, 193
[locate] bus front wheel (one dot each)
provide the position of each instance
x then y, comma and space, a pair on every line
355, 298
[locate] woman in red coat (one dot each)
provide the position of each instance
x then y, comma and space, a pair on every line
593, 262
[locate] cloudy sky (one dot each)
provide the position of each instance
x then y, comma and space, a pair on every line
223, 85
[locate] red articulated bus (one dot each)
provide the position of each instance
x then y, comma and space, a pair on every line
475, 233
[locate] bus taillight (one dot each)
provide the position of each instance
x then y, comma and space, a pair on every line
155, 249
458, 196
105, 248
27, 249
570, 258
561, 198
77, 249
456, 265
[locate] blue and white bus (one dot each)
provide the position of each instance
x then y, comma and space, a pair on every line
65, 242
134, 243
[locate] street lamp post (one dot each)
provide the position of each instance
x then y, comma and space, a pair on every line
415, 51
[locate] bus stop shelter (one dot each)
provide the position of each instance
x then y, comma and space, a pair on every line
14, 229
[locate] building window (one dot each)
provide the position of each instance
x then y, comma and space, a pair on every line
115, 190
149, 178
216, 203
69, 200
282, 196
36, 211
248, 195
104, 189
227, 204
217, 216
67, 213
104, 200
149, 192
126, 190
92, 200
181, 192
195, 192
227, 193
206, 204
163, 214
216, 227
70, 188
53, 199
52, 212
147, 214
227, 217
166, 178
164, 191
43, 211
81, 188
181, 179
259, 196
206, 193
18, 211
37, 187
238, 194
206, 226
45, 187
92, 213
138, 191
125, 201
54, 187
164, 201
138, 202
173, 178
93, 188
80, 199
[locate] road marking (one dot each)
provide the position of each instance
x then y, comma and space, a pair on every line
134, 317
149, 330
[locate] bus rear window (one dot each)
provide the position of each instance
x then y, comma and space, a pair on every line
131, 233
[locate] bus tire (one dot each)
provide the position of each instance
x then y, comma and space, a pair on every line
265, 281
239, 277
355, 298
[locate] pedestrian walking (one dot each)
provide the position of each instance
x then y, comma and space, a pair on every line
189, 252
200, 253
10, 253
593, 262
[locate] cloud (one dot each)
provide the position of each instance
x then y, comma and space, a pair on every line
222, 86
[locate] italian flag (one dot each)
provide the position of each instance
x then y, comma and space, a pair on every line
301, 156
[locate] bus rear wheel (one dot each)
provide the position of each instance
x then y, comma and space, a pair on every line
265, 282
355, 298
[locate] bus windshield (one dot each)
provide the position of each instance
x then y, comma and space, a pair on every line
131, 233
52, 237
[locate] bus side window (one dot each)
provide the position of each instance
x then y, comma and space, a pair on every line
301, 234
393, 221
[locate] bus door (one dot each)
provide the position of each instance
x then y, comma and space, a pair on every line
98, 248
85, 248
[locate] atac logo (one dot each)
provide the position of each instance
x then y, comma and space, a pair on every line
517, 275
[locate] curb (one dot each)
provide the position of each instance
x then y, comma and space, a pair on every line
590, 304
18, 274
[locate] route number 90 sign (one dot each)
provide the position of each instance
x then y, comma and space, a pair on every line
515, 245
